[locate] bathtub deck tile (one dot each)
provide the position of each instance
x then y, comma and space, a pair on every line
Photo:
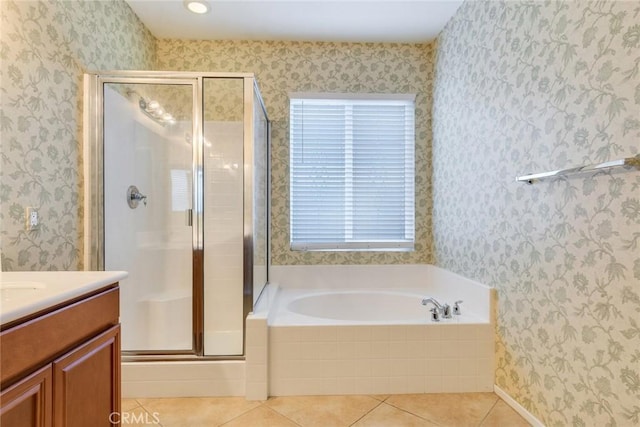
398, 349
363, 349
379, 385
434, 367
398, 384
308, 350
450, 367
432, 333
416, 367
379, 350
433, 384
415, 349
449, 331
329, 351
415, 384
474, 332
468, 368
398, 333
326, 334
485, 349
415, 332
381, 333
363, 368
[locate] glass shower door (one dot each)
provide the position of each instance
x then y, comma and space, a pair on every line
148, 202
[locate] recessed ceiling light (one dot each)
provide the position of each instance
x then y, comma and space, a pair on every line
196, 6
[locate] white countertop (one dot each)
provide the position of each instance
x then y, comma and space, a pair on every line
52, 288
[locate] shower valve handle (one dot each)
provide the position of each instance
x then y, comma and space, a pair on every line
134, 197
456, 307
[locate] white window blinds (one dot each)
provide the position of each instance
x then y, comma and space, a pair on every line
352, 172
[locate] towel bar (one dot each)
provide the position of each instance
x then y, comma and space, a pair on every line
627, 163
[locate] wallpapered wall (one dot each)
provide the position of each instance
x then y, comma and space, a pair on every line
45, 47
525, 87
284, 67
521, 87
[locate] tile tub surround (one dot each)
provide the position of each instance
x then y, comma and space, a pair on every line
325, 360
337, 357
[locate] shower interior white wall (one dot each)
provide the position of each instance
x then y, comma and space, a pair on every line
223, 237
152, 242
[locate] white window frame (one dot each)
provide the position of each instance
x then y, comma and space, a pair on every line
409, 198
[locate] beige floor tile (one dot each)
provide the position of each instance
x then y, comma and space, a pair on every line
380, 397
261, 416
388, 416
323, 411
128, 404
503, 415
197, 411
455, 409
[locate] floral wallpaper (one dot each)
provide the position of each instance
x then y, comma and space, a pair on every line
284, 67
45, 47
519, 87
525, 87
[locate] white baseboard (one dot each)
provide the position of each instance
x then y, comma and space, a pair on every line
518, 407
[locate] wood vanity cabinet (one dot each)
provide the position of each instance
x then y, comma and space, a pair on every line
61, 367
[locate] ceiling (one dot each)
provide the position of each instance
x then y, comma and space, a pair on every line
299, 20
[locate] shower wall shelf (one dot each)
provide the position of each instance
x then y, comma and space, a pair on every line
626, 163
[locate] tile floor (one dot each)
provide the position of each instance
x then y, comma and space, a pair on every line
454, 410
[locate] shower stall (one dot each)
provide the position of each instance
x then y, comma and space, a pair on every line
177, 194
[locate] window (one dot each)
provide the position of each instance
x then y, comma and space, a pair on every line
352, 172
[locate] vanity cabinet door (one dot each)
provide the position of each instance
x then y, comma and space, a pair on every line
28, 402
87, 383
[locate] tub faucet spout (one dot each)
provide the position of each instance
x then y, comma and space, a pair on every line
433, 301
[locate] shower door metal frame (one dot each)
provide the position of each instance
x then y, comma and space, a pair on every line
94, 191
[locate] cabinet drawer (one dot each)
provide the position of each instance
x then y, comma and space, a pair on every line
32, 344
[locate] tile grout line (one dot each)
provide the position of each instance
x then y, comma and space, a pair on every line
147, 411
282, 415
415, 415
239, 415
278, 412
380, 402
489, 411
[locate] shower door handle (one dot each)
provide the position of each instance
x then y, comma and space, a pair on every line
189, 217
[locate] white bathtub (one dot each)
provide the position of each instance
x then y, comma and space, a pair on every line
363, 329
360, 307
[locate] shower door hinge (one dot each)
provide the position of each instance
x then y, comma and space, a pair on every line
189, 215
